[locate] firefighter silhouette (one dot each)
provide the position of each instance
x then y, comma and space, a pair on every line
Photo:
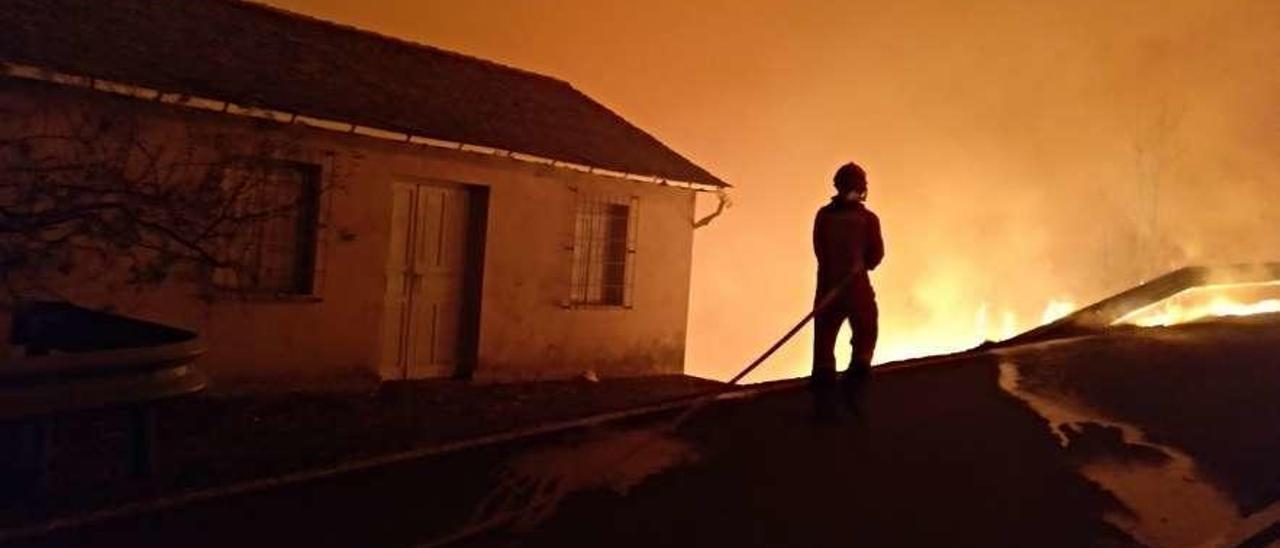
848, 245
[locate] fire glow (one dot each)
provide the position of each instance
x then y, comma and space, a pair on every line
989, 323
1195, 304
1200, 303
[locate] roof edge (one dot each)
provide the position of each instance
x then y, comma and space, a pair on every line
24, 71
718, 182
344, 27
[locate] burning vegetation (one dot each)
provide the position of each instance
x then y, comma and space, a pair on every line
1201, 303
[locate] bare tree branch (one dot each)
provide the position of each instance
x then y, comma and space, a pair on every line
82, 186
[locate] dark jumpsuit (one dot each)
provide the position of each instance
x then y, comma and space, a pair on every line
847, 243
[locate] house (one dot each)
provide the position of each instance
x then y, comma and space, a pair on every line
455, 217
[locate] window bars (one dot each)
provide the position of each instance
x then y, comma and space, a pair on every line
274, 252
604, 247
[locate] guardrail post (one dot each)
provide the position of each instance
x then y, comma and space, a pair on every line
142, 433
35, 445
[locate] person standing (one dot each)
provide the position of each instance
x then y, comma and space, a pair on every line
848, 245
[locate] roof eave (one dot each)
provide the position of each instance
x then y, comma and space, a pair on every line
25, 71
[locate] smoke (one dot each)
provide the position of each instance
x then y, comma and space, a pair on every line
1018, 152
1017, 155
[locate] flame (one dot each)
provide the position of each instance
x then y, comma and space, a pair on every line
1056, 310
1174, 312
989, 323
1213, 301
1008, 325
954, 329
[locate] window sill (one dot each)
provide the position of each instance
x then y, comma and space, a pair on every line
231, 295
586, 306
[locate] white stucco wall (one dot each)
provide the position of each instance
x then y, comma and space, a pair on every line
526, 330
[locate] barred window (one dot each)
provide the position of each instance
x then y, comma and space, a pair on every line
274, 249
603, 251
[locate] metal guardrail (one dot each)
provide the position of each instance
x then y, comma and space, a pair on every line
79, 359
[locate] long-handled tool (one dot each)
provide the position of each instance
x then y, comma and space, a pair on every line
531, 501
826, 300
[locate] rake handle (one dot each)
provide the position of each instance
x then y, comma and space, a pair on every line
823, 303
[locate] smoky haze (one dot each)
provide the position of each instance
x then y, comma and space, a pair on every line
1018, 152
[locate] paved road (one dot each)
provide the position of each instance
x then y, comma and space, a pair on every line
1162, 437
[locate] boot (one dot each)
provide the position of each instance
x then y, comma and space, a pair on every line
823, 386
854, 386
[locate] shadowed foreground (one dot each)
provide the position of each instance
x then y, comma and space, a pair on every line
1069, 443
944, 457
1162, 437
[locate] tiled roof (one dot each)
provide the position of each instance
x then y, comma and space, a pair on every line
263, 57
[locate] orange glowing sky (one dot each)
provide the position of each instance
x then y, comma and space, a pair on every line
1018, 151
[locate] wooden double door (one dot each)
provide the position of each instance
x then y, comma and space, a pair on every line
433, 280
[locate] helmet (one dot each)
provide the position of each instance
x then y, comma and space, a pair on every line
850, 177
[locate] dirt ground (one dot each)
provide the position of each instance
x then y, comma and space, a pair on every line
1161, 437
1156, 437
944, 459
207, 441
